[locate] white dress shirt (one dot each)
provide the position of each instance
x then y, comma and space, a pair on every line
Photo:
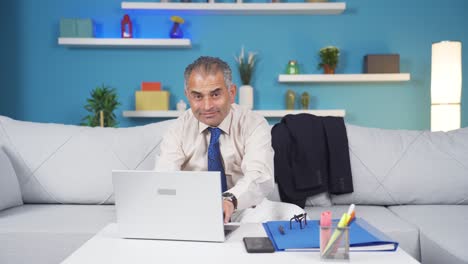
245, 145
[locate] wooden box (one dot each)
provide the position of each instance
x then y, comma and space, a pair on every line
151, 86
152, 100
382, 63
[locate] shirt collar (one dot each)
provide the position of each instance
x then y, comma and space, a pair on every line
224, 126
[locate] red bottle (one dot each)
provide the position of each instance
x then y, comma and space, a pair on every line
126, 27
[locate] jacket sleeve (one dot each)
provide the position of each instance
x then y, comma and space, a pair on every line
340, 179
281, 143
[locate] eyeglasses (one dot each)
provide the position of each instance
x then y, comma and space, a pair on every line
299, 219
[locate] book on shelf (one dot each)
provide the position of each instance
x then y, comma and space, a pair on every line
362, 236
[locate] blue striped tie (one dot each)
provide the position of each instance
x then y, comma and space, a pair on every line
214, 156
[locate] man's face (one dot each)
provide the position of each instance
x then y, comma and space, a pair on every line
209, 98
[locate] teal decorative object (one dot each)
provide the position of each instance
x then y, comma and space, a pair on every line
67, 28
84, 28
292, 67
76, 28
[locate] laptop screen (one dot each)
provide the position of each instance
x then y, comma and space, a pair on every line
178, 205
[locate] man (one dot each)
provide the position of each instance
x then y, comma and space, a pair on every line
216, 134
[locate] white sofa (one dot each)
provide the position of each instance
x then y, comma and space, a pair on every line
56, 190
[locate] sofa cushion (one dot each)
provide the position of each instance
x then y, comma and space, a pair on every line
321, 199
383, 219
58, 163
442, 229
394, 167
10, 194
49, 232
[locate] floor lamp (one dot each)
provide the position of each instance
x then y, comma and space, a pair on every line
446, 85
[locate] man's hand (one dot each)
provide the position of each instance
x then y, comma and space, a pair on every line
228, 209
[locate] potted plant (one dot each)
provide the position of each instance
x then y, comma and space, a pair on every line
101, 106
246, 66
329, 59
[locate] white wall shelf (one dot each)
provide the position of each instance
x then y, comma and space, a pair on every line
125, 42
336, 78
281, 113
334, 8
157, 114
265, 113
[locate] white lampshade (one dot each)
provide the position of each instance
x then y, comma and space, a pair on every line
446, 85
445, 117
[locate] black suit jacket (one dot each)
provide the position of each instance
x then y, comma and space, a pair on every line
311, 157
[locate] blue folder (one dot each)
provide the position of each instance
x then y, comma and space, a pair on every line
362, 236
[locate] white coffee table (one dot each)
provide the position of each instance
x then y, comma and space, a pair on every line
107, 247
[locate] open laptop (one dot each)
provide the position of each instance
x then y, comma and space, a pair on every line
179, 205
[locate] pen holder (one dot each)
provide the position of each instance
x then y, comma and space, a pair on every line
334, 243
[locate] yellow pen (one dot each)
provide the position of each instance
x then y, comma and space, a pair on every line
343, 222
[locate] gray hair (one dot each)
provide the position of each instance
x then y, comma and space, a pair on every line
209, 65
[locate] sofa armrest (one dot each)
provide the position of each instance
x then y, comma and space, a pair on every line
10, 193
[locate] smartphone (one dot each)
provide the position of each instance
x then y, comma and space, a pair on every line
258, 245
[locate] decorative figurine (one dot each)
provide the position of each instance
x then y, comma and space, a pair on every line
126, 27
305, 99
181, 105
290, 99
292, 67
176, 31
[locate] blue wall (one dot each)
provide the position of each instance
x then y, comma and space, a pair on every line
42, 81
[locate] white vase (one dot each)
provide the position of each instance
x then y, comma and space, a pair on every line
246, 96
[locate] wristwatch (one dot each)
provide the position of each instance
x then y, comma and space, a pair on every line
230, 197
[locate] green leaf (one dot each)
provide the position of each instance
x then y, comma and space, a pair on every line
102, 99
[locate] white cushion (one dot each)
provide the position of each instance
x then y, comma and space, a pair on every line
321, 199
392, 167
43, 234
58, 163
442, 231
10, 194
